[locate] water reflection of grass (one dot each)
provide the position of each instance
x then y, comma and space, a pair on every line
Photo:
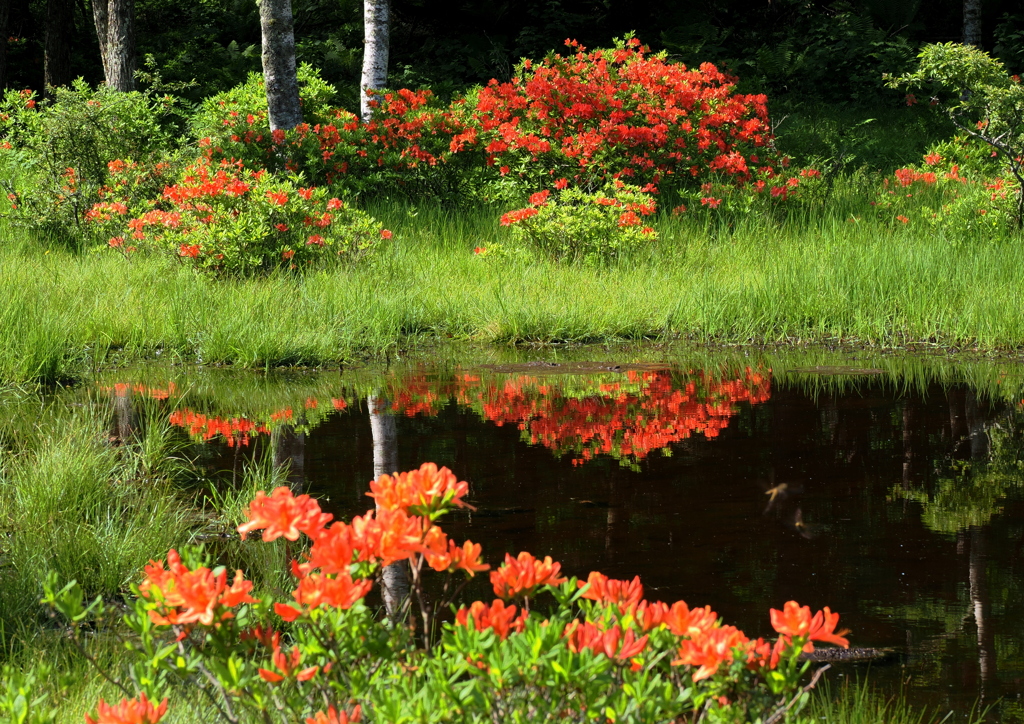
807, 279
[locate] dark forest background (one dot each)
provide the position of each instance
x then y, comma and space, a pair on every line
830, 51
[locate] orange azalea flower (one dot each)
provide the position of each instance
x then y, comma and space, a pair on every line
284, 515
625, 594
424, 492
497, 616
651, 615
341, 592
129, 711
823, 627
682, 621
192, 596
386, 536
792, 620
521, 576
333, 716
287, 665
588, 636
709, 650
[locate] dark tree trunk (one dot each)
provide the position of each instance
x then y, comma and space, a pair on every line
279, 77
120, 65
57, 45
99, 18
376, 47
5, 14
972, 23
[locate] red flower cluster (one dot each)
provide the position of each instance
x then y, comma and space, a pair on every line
422, 492
186, 597
523, 575
129, 711
499, 617
623, 113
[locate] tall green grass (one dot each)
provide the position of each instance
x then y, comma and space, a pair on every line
823, 277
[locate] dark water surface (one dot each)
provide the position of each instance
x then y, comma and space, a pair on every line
890, 493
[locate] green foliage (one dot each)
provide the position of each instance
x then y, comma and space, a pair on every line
981, 99
579, 226
61, 149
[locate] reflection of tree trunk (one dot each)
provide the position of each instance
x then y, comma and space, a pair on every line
981, 601
908, 442
125, 420
290, 451
976, 425
394, 578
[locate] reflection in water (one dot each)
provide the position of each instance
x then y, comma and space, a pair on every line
902, 510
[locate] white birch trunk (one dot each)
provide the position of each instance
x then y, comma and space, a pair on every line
394, 578
376, 47
282, 84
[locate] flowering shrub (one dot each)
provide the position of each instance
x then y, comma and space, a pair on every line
409, 144
623, 113
575, 225
227, 218
61, 149
595, 650
958, 190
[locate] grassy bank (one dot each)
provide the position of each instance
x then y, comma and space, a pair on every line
820, 278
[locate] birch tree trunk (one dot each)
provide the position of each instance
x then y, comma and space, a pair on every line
5, 14
972, 23
279, 78
376, 47
56, 46
394, 578
120, 40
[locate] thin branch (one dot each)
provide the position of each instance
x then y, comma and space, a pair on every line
781, 713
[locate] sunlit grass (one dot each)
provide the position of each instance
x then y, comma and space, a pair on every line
819, 277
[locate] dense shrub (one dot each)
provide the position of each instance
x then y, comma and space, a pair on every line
623, 113
58, 152
575, 225
226, 218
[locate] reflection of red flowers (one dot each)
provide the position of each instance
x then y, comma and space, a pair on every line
199, 426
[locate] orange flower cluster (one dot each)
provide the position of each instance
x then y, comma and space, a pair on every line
610, 642
129, 711
186, 597
383, 536
286, 665
333, 716
282, 514
524, 574
426, 491
624, 594
236, 430
796, 621
499, 617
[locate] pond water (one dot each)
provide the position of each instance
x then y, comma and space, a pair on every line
886, 488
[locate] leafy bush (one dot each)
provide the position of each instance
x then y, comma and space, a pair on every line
61, 149
226, 218
548, 648
576, 225
982, 100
